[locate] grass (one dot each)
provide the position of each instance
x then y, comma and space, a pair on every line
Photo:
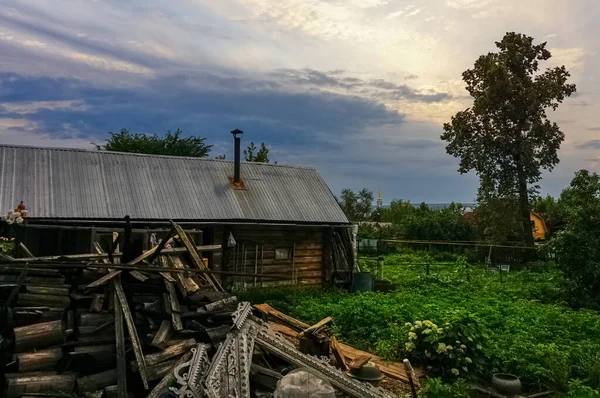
531, 332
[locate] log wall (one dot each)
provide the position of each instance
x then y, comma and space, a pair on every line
255, 252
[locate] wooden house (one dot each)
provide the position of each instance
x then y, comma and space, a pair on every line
266, 218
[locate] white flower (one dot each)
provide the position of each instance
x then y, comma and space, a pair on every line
412, 336
9, 221
429, 324
408, 324
449, 348
19, 220
468, 360
464, 347
427, 331
441, 348
454, 371
418, 324
409, 346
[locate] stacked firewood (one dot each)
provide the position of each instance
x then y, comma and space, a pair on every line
74, 329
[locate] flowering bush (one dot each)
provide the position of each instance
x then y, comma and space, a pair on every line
454, 350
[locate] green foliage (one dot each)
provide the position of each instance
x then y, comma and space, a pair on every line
254, 154
578, 245
357, 206
506, 136
436, 388
171, 144
454, 350
529, 332
7, 247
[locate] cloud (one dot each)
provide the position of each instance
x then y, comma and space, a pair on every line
593, 128
374, 88
592, 144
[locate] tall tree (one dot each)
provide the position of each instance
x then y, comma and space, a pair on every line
358, 206
506, 136
254, 154
169, 144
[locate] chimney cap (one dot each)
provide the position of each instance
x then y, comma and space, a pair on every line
236, 132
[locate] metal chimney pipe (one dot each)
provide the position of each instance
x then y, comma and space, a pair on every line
236, 154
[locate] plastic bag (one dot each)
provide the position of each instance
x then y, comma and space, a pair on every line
300, 383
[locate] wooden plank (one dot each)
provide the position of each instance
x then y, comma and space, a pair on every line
121, 359
316, 326
288, 320
133, 336
338, 354
359, 361
195, 256
163, 335
170, 352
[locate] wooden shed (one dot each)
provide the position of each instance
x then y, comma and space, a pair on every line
266, 218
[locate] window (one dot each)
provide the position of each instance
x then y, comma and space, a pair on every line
283, 253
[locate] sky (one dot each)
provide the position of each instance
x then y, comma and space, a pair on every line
358, 89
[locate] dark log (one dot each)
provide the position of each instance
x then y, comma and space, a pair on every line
39, 336
169, 378
35, 383
32, 315
55, 291
95, 319
96, 358
97, 381
32, 279
34, 300
37, 361
163, 335
97, 303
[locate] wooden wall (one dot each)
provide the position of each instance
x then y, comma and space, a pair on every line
255, 250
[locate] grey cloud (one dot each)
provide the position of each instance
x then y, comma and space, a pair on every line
593, 128
410, 77
374, 88
592, 144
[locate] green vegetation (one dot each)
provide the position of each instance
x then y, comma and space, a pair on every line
519, 326
171, 144
506, 136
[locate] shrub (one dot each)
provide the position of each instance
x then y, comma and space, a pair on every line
454, 350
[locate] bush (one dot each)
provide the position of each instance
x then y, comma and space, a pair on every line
454, 350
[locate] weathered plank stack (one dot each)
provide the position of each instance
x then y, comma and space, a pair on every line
94, 326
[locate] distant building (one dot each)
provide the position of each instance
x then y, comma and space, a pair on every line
379, 199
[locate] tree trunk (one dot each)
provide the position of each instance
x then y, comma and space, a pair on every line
525, 210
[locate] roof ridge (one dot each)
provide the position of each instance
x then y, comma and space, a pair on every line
117, 153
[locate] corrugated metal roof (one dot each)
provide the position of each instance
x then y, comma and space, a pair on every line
82, 184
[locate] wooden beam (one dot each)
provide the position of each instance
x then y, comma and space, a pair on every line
314, 327
94, 256
288, 320
338, 354
25, 250
133, 336
121, 359
195, 256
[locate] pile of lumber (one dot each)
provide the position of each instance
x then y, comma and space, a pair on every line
117, 324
